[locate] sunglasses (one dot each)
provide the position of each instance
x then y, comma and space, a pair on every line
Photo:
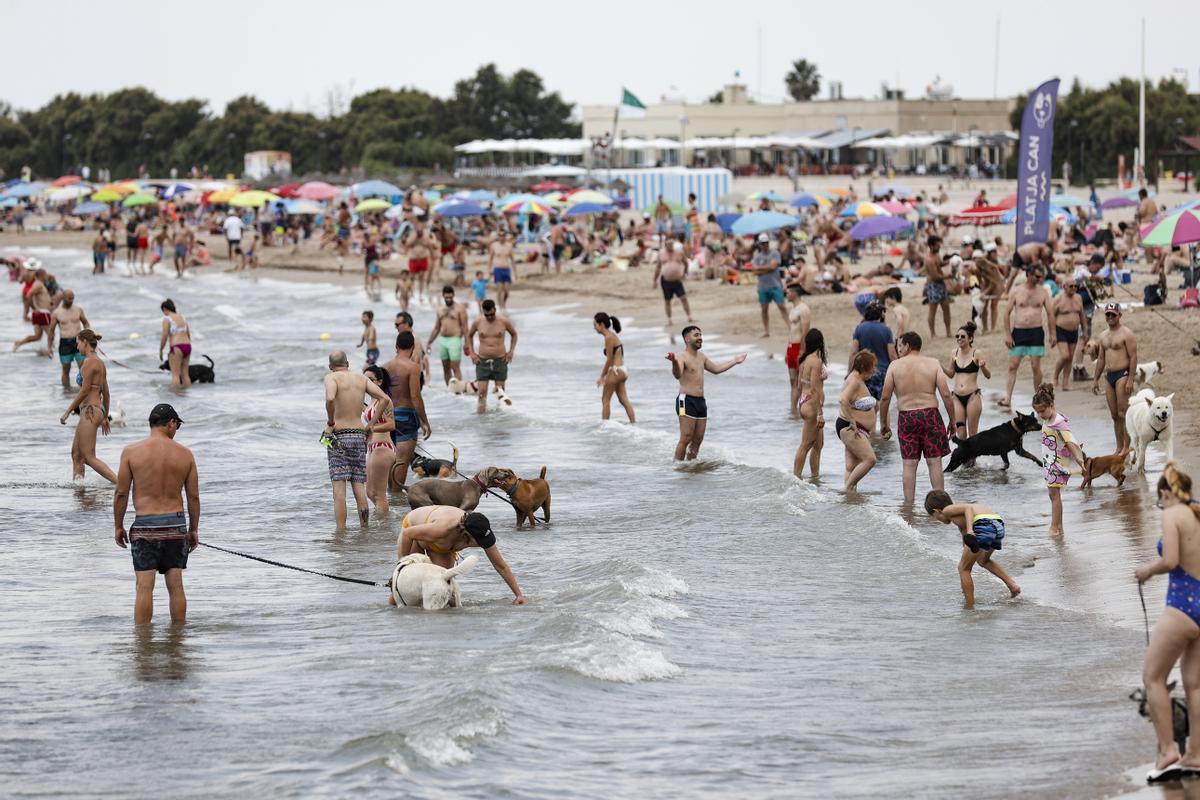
960, 336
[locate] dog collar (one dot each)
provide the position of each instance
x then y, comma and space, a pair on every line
510, 491
1159, 431
478, 482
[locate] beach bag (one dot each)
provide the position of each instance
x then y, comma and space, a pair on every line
1190, 298
1152, 295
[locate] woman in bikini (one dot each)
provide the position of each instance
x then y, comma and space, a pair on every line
381, 453
965, 365
175, 332
812, 398
1177, 632
856, 419
613, 376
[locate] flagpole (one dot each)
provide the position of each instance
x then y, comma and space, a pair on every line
1141, 165
612, 139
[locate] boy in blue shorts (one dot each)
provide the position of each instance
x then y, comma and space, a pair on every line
982, 534
479, 285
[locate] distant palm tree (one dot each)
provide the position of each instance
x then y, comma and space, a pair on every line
803, 81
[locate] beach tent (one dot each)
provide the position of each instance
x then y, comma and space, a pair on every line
673, 183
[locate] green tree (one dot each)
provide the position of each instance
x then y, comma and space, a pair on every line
803, 80
717, 97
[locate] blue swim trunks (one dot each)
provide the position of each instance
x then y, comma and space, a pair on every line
408, 425
773, 294
502, 275
987, 533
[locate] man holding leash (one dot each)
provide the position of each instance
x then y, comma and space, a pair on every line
158, 471
688, 368
440, 532
345, 438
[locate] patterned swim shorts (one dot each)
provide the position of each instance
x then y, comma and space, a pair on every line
922, 434
348, 456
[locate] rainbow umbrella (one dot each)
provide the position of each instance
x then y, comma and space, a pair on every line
864, 209
374, 204
556, 199
872, 227
589, 196
255, 198
1182, 227
527, 207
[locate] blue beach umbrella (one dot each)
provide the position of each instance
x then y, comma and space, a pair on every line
482, 196
9, 202
761, 221
173, 189
459, 208
90, 207
870, 227
726, 221
376, 189
583, 209
26, 189
805, 199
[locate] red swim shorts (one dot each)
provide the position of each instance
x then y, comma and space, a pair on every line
922, 434
418, 264
792, 357
40, 318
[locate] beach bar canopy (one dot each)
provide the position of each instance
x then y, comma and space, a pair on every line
554, 147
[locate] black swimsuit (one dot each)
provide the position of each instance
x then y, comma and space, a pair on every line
969, 368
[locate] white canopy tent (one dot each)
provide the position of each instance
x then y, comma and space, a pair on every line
554, 147
909, 141
554, 171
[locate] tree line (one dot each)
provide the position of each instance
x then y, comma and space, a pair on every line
378, 132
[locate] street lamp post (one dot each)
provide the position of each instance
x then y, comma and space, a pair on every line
321, 152
65, 141
1070, 134
229, 138
733, 150
1179, 122
683, 121
144, 142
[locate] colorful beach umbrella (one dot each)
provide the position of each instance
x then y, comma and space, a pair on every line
892, 207
528, 207
255, 198
863, 209
1120, 201
65, 180
73, 192
374, 204
589, 196
139, 199
459, 208
726, 221
301, 208
583, 209
220, 196
1008, 202
872, 227
804, 200
1180, 228
106, 196
25, 189
317, 190
173, 190
769, 196
287, 191
837, 191
761, 221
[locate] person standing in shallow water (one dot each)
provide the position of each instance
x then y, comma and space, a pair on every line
92, 400
176, 333
614, 375
689, 367
346, 435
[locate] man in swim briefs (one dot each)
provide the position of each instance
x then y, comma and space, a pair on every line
159, 471
668, 274
92, 400
1116, 361
346, 437
70, 320
447, 334
688, 367
440, 532
492, 357
1068, 318
503, 267
917, 381
408, 407
1026, 318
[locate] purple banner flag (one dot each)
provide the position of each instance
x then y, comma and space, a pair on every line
1033, 164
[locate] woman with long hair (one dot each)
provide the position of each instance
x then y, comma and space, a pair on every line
381, 453
613, 375
175, 332
966, 363
1177, 632
856, 419
812, 375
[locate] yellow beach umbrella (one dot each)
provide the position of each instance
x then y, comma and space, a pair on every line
106, 196
221, 196
588, 196
373, 204
254, 198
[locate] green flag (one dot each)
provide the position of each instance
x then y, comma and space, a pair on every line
628, 98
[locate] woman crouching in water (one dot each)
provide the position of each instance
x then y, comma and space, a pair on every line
613, 376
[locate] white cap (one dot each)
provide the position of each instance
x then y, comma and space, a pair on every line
977, 254
967, 240
418, 211
762, 237
677, 247
955, 260
989, 247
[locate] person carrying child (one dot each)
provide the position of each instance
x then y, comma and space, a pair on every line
982, 534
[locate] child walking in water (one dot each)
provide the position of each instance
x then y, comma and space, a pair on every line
369, 338
982, 534
1058, 448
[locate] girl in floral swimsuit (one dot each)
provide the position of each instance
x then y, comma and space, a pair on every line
1058, 448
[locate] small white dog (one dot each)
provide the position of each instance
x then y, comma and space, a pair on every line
456, 386
1149, 419
118, 420
418, 582
1146, 372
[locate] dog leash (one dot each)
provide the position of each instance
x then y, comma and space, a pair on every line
486, 489
298, 569
126, 366
1145, 616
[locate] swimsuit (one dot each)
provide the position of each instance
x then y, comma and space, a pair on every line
68, 350
973, 367
922, 434
159, 542
672, 289
804, 396
1028, 342
1115, 375
935, 293
372, 355
348, 456
502, 275
987, 533
1183, 591
450, 348
406, 524
1056, 456
792, 357
691, 407
491, 369
418, 264
842, 423
408, 425
40, 319
1064, 335
185, 349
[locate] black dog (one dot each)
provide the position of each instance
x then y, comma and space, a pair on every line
197, 372
435, 467
1001, 440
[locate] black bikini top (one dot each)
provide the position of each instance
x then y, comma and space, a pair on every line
972, 367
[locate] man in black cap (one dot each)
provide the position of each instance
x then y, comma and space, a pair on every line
440, 532
158, 470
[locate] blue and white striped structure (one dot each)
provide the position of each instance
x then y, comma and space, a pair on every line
673, 183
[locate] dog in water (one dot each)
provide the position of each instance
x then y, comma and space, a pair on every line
1104, 465
1001, 440
1149, 419
526, 494
456, 386
462, 494
435, 467
1144, 375
417, 581
197, 372
117, 420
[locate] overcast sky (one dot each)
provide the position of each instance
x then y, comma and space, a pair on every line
292, 54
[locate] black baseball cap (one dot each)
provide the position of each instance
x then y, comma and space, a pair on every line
163, 413
479, 528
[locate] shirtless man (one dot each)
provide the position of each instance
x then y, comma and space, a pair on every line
142, 234
558, 243
503, 267
404, 322
893, 301
417, 243
1026, 318
183, 238
440, 532
408, 407
1116, 362
99, 253
1067, 313
918, 381
92, 400
447, 334
159, 471
492, 357
346, 438
1027, 255
39, 303
669, 274
714, 244
799, 320
1146, 210
936, 294
991, 286
688, 367
70, 320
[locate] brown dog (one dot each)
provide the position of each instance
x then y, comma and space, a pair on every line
526, 494
1105, 465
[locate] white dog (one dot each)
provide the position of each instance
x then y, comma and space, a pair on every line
418, 582
1149, 419
456, 386
118, 420
1146, 372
